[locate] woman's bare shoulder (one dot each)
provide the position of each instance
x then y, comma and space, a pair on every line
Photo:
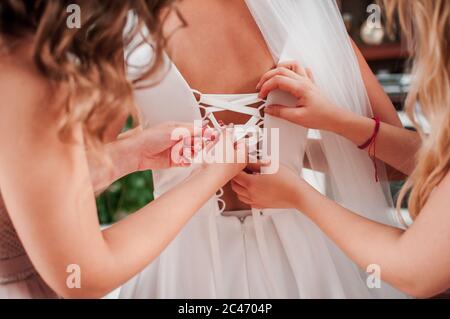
24, 90
439, 201
445, 184
19, 75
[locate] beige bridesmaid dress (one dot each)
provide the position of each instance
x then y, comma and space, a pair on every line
18, 278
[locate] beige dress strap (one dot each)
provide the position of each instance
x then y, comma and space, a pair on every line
18, 277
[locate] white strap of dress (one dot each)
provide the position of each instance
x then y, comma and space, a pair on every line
239, 103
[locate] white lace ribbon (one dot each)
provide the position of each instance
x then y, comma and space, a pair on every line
243, 104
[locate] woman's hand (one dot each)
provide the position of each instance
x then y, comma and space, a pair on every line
158, 148
281, 190
314, 110
224, 156
140, 149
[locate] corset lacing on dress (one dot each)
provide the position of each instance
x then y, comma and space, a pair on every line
248, 104
15, 265
252, 105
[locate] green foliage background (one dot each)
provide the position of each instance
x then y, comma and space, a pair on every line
125, 196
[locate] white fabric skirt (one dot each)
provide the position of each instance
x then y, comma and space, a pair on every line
225, 257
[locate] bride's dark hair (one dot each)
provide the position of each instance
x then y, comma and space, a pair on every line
87, 61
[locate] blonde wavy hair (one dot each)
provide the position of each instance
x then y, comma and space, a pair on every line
426, 24
87, 62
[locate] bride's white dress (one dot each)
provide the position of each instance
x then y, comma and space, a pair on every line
279, 253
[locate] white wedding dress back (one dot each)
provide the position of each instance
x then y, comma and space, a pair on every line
280, 253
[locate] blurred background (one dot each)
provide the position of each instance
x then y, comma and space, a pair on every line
386, 53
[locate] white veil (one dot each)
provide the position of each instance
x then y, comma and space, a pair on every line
313, 33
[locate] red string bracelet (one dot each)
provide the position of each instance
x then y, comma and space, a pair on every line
372, 145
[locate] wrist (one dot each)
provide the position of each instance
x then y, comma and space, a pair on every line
341, 121
125, 156
298, 198
355, 128
304, 194
221, 173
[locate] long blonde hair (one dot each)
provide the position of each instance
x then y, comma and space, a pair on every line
426, 24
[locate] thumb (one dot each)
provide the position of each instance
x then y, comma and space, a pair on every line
256, 167
287, 113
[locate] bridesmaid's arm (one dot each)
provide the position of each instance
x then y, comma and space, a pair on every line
416, 261
47, 189
381, 104
143, 149
124, 160
396, 146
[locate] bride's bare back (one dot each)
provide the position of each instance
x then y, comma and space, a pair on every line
220, 51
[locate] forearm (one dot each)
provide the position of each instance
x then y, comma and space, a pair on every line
121, 161
314, 150
366, 242
109, 258
139, 239
395, 146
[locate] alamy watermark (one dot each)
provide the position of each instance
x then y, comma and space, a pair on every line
73, 20
373, 280
374, 19
73, 280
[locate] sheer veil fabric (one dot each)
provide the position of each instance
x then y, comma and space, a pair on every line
281, 254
